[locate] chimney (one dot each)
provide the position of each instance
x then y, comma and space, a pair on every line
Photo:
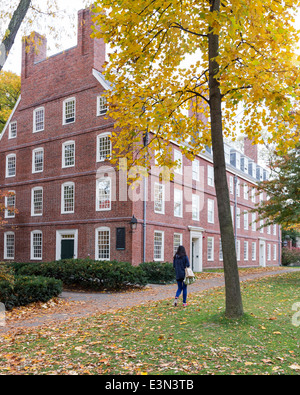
250, 149
87, 45
34, 50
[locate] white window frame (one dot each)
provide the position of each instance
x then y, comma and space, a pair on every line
195, 207
238, 188
64, 145
238, 250
178, 157
102, 108
195, 170
178, 203
159, 198
210, 257
220, 250
274, 252
210, 176
246, 251
162, 252
238, 218
175, 246
210, 211
253, 194
246, 220
105, 179
102, 229
6, 234
101, 158
35, 112
246, 191
7, 214
65, 102
67, 184
33, 190
253, 223
32, 257
231, 185
10, 133
269, 252
34, 152
8, 157
253, 251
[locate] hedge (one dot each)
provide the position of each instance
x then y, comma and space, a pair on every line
88, 274
290, 256
100, 275
28, 289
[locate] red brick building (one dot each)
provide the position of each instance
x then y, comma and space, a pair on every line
71, 201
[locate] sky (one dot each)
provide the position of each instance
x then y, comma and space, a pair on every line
68, 37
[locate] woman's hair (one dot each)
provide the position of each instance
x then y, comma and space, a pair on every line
180, 251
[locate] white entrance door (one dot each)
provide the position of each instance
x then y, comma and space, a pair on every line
262, 253
196, 248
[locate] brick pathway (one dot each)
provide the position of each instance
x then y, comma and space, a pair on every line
81, 304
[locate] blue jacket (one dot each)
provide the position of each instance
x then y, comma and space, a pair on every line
179, 264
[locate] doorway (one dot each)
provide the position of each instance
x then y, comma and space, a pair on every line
262, 253
196, 248
66, 244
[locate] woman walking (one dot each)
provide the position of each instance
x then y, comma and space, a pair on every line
180, 262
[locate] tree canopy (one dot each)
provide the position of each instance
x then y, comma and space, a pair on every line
10, 88
283, 190
159, 66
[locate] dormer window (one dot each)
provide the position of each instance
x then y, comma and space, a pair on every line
101, 105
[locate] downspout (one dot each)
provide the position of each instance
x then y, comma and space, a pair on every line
146, 141
235, 208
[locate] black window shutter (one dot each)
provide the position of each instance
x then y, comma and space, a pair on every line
120, 238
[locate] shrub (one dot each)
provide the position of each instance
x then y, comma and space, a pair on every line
158, 272
6, 273
290, 255
28, 289
87, 273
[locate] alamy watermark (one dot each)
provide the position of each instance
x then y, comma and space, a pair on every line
2, 315
296, 316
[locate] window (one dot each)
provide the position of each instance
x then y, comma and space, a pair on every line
10, 205
274, 252
238, 250
158, 246
210, 248
68, 154
253, 251
238, 218
268, 252
38, 160
177, 203
253, 192
38, 120
253, 224
103, 194
261, 224
269, 229
210, 211
195, 170
246, 251
12, 134
103, 147
10, 165
210, 176
220, 251
238, 188
246, 220
36, 245
159, 198
274, 229
103, 244
246, 191
231, 185
195, 207
69, 109
178, 159
101, 105
177, 241
9, 245
67, 198
37, 201
120, 238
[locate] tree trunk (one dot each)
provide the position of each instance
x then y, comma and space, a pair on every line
234, 306
12, 30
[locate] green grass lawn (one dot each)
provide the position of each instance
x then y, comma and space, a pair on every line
160, 339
